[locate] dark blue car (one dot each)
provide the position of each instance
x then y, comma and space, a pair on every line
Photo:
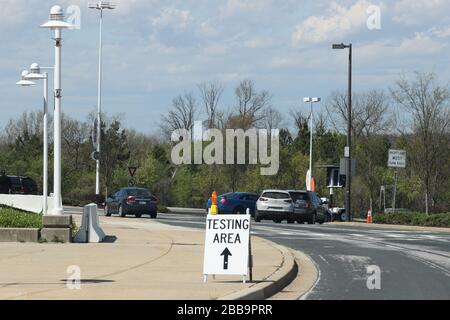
235, 203
135, 201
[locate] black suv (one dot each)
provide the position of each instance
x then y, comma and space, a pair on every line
308, 207
17, 185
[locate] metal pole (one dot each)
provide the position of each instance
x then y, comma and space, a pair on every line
45, 159
99, 106
395, 190
349, 139
311, 147
57, 207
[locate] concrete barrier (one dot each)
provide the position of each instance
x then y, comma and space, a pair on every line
30, 203
19, 235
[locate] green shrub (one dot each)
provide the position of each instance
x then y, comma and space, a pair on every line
11, 218
414, 219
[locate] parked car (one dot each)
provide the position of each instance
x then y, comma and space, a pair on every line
276, 205
235, 203
135, 201
308, 207
18, 185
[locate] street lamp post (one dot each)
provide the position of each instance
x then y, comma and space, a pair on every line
101, 5
35, 74
312, 101
348, 155
57, 24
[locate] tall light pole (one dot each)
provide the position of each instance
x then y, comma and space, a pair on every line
312, 101
35, 74
57, 24
101, 5
348, 152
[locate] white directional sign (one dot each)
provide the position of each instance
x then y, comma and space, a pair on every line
226, 244
397, 159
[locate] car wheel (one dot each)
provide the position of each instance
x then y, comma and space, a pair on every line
121, 213
153, 215
291, 221
107, 212
312, 220
277, 221
257, 216
138, 215
239, 210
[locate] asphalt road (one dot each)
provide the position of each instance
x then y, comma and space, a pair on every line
413, 264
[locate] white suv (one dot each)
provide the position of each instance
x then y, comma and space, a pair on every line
276, 205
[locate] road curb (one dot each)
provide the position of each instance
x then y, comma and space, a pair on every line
274, 283
391, 226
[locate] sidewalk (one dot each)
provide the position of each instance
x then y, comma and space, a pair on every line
147, 260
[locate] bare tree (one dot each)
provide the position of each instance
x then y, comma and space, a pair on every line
369, 112
210, 93
428, 105
299, 119
370, 121
249, 101
181, 116
272, 118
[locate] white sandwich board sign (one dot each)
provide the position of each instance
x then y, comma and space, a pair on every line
227, 245
397, 159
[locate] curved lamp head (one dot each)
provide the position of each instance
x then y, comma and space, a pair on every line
56, 20
24, 82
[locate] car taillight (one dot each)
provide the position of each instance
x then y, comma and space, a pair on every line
153, 199
131, 200
263, 199
223, 201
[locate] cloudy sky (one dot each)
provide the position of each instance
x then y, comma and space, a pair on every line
154, 50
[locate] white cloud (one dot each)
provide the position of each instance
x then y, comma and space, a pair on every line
245, 7
14, 11
413, 12
339, 22
171, 17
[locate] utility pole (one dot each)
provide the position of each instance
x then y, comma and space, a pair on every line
348, 151
101, 5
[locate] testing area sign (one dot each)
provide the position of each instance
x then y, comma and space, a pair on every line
227, 245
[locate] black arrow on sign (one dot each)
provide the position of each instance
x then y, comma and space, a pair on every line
226, 253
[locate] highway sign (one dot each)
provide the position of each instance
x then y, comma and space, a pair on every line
397, 159
227, 244
132, 171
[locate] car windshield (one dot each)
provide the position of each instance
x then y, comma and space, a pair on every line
138, 193
303, 196
276, 195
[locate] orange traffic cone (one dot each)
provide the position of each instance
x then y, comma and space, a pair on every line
369, 216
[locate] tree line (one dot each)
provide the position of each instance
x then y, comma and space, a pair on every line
413, 115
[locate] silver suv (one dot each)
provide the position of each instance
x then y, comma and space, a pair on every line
276, 205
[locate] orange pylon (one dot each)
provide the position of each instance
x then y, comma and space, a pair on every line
369, 216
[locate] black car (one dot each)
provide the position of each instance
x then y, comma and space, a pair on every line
17, 185
135, 201
308, 207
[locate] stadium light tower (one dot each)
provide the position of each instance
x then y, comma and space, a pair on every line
100, 5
